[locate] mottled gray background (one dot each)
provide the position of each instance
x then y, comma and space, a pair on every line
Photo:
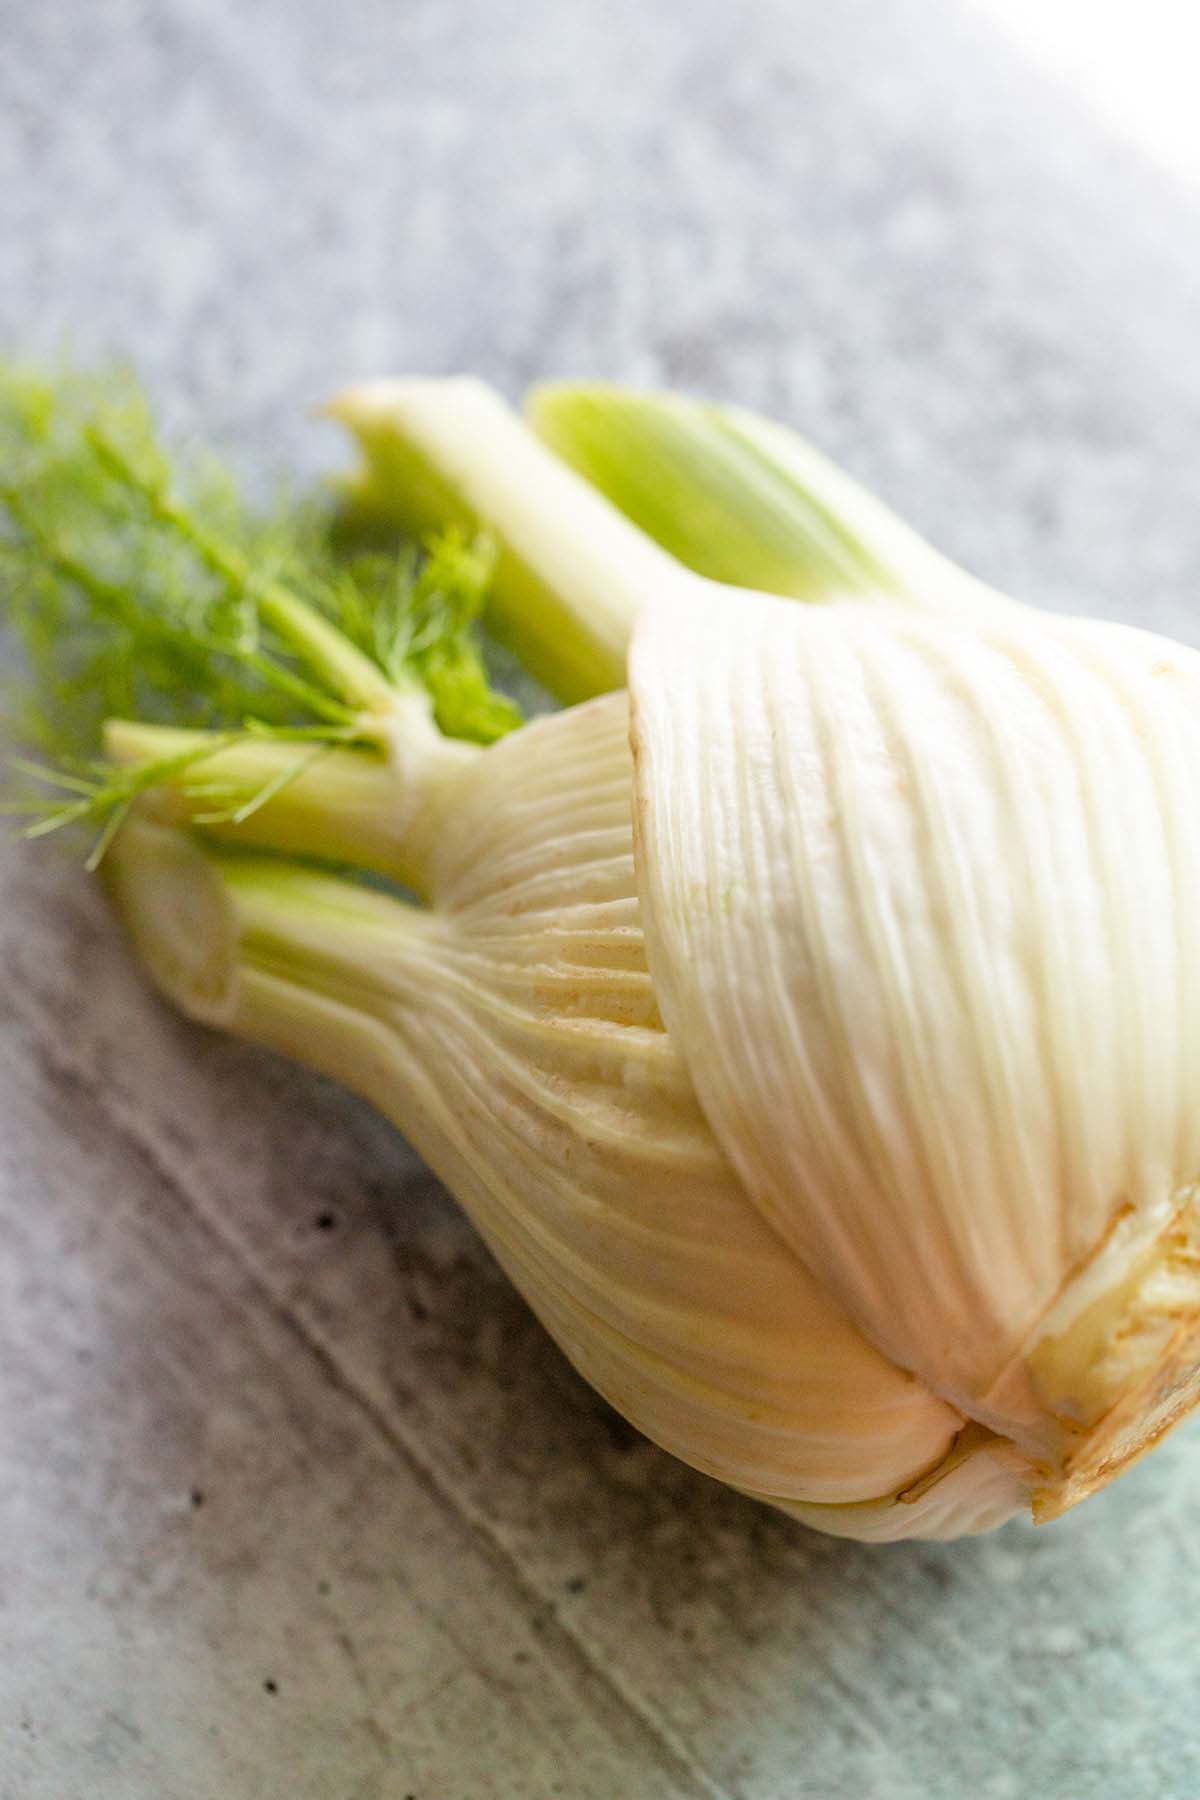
295, 1500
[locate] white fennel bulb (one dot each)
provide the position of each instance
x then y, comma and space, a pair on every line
921, 903
919, 874
511, 1029
812, 1030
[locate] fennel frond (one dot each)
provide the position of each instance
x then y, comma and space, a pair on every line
142, 585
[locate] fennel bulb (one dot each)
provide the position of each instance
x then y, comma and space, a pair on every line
811, 1031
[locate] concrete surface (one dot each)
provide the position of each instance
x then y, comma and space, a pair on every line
296, 1503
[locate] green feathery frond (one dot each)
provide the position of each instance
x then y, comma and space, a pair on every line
143, 586
415, 613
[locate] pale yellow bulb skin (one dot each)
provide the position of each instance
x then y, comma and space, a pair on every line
512, 1031
921, 900
821, 1068
562, 1115
919, 873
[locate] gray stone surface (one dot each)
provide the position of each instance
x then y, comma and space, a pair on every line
302, 1514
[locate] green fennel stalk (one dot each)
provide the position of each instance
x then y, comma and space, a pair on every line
606, 495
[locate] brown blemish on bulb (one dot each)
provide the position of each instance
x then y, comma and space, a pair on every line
1127, 1370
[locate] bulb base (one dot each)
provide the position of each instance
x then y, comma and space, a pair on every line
1135, 1357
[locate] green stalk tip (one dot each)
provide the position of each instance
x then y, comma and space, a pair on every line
737, 497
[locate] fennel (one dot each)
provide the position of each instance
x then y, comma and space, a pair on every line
811, 1030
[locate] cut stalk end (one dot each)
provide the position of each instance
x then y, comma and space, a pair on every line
174, 906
